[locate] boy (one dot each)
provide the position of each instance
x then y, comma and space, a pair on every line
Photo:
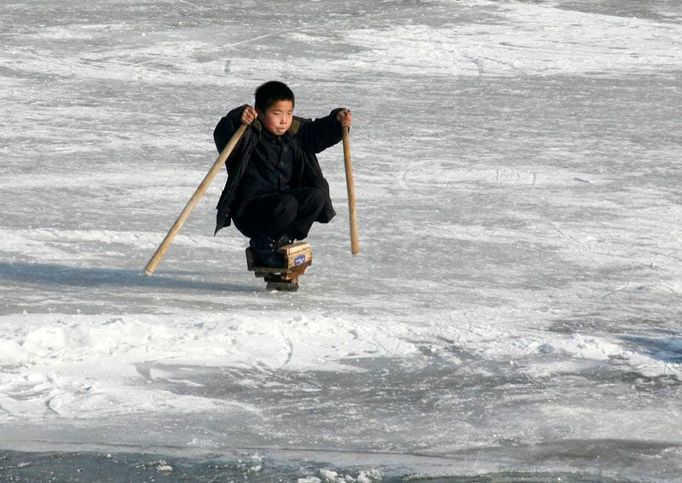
275, 189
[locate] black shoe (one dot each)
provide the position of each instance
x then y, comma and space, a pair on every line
265, 249
284, 240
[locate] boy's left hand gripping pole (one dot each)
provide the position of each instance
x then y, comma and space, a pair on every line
212, 173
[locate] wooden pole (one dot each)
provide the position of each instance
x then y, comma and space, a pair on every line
212, 173
354, 238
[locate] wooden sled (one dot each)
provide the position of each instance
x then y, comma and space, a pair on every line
297, 258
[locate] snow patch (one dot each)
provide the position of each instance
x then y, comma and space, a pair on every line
87, 366
12, 354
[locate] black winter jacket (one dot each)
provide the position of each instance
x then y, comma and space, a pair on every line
310, 137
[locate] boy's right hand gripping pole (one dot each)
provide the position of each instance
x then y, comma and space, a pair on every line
217, 166
354, 238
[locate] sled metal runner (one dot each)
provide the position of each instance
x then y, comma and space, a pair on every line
297, 258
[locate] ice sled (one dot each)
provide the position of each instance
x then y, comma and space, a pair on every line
297, 258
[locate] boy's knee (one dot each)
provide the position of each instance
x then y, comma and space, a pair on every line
315, 196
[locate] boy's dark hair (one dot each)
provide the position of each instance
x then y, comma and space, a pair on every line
271, 92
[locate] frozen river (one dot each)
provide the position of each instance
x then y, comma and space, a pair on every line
516, 311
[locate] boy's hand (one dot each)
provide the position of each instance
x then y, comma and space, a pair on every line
249, 115
345, 118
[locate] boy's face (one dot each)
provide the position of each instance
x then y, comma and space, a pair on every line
277, 118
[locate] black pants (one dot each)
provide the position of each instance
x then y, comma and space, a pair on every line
289, 213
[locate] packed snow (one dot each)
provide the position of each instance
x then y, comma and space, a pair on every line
515, 308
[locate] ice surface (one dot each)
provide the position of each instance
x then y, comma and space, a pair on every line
515, 310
